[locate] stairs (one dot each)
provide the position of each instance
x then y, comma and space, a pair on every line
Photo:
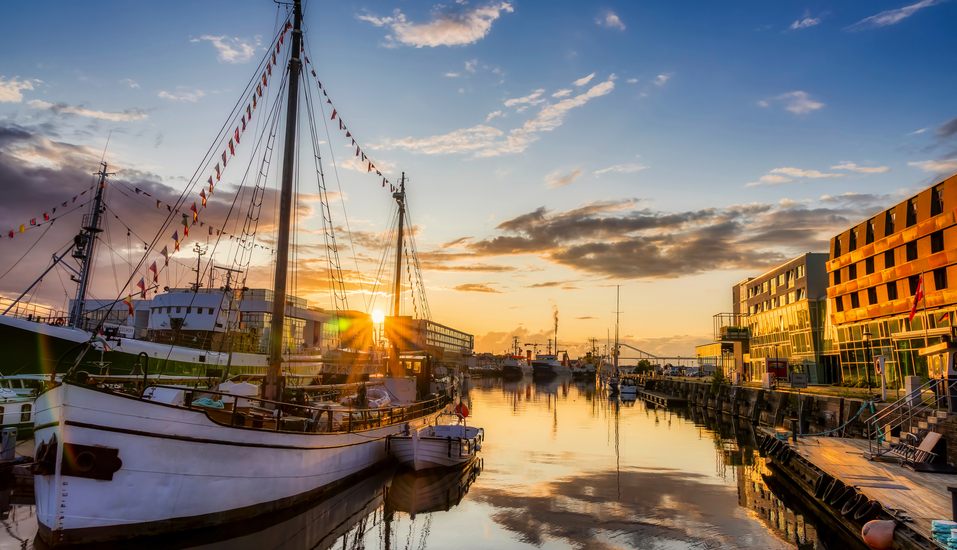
912, 417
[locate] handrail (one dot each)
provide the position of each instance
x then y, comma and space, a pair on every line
903, 412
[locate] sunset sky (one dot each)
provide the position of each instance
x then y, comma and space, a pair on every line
554, 150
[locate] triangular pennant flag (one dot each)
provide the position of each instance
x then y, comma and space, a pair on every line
33, 221
64, 204
249, 113
165, 255
217, 171
74, 198
142, 285
46, 216
383, 182
348, 134
378, 173
314, 74
259, 92
306, 56
169, 208
280, 41
202, 194
176, 240
254, 100
11, 234
232, 151
224, 158
210, 230
54, 211
357, 151
333, 114
273, 59
370, 167
269, 69
195, 213
244, 123
340, 123
264, 78
155, 273
237, 135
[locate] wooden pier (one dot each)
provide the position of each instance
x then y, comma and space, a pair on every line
662, 399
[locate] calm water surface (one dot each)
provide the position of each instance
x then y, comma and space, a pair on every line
563, 466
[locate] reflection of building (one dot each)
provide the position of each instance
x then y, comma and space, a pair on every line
445, 343
787, 309
874, 271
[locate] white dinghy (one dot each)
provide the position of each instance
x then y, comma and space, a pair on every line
438, 445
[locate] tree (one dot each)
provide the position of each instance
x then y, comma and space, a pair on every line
644, 366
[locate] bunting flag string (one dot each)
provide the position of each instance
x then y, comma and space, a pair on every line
50, 215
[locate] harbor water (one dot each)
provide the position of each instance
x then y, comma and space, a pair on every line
563, 465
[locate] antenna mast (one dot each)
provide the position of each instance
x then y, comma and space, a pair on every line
84, 247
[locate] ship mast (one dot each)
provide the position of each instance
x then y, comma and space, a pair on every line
84, 248
273, 387
399, 197
617, 318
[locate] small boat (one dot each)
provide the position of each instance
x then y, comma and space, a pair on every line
628, 387
374, 398
16, 411
545, 366
512, 367
438, 445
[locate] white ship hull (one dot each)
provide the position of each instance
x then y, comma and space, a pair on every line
179, 469
423, 452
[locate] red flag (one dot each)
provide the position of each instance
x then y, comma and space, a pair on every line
288, 25
237, 135
357, 151
378, 173
224, 159
142, 285
307, 58
280, 41
340, 123
254, 99
249, 113
264, 78
195, 213
185, 227
383, 182
202, 194
33, 221
231, 150
11, 234
169, 208
273, 60
64, 203
217, 173
155, 273
129, 303
259, 92
320, 85
210, 230
314, 74
269, 69
348, 134
370, 167
46, 217
918, 296
175, 240
74, 198
244, 123
333, 114
363, 156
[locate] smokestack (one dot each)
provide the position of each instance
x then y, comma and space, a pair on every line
555, 315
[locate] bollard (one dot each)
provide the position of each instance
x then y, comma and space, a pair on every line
953, 501
8, 447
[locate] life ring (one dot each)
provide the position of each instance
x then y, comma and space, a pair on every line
821, 485
462, 410
852, 504
868, 511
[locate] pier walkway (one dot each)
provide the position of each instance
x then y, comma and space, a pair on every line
922, 496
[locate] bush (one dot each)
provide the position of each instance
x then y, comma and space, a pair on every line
717, 380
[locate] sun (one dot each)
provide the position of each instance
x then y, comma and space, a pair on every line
378, 316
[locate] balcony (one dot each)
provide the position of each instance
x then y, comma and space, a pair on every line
731, 327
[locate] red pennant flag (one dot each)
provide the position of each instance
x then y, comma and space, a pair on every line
74, 198
142, 285
11, 234
249, 113
217, 232
314, 74
237, 135
264, 79
202, 194
918, 296
378, 173
244, 123
307, 58
224, 159
340, 123
155, 273
348, 134
46, 217
185, 227
176, 240
363, 156
169, 208
217, 172
210, 182
232, 151
33, 221
370, 167
383, 182
269, 69
195, 213
333, 114
64, 204
320, 85
357, 151
280, 41
273, 60
259, 92
288, 25
210, 230
329, 101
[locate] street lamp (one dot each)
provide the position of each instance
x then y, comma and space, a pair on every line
867, 356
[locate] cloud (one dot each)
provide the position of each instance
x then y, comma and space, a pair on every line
492, 115
562, 93
865, 169
477, 287
231, 50
10, 89
129, 115
769, 180
914, 133
585, 318
584, 80
804, 23
946, 130
445, 28
662, 78
129, 82
891, 17
554, 180
470, 65
485, 141
182, 95
531, 99
947, 166
798, 173
632, 80
611, 21
452, 75
621, 169
798, 102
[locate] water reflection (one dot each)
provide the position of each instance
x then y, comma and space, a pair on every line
563, 465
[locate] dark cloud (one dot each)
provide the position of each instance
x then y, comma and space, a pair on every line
549, 284
477, 287
585, 317
946, 130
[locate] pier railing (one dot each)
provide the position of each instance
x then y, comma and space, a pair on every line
300, 418
914, 415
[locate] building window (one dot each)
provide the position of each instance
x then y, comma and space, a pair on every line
888, 259
869, 266
911, 212
168, 310
872, 295
913, 281
940, 278
839, 303
800, 271
25, 412
890, 218
802, 294
855, 301
853, 244
911, 248
851, 272
936, 241
837, 247
189, 310
892, 291
869, 234
764, 287
937, 202
178, 309
837, 277
781, 279
792, 297
774, 285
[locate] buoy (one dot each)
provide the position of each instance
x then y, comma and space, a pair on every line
462, 410
879, 534
868, 511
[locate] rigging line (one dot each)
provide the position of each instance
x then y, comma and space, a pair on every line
380, 265
172, 259
418, 266
335, 168
109, 244
40, 238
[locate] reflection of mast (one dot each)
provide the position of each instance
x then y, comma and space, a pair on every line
617, 452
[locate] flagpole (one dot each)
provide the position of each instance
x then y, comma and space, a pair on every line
923, 296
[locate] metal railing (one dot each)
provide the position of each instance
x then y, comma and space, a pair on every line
297, 418
34, 312
907, 413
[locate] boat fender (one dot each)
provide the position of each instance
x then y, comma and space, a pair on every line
388, 441
868, 511
852, 504
786, 455
839, 498
831, 488
820, 486
879, 534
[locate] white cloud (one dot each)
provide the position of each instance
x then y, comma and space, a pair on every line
554, 180
921, 131
584, 80
865, 169
129, 82
769, 180
622, 169
182, 95
129, 115
493, 115
798, 102
470, 65
231, 50
804, 23
461, 90
532, 99
936, 166
451, 75
359, 165
762, 103
611, 21
485, 141
445, 29
662, 78
798, 173
632, 80
521, 109
891, 17
562, 93
10, 89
